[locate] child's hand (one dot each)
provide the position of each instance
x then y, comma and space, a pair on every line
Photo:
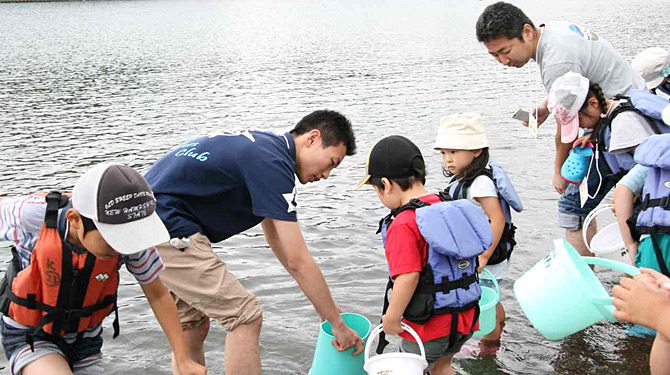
483, 261
391, 325
559, 183
642, 300
582, 141
660, 279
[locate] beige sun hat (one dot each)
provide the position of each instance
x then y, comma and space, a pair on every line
462, 131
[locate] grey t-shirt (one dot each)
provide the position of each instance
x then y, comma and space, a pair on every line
566, 47
628, 130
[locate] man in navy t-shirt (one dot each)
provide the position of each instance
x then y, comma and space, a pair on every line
220, 185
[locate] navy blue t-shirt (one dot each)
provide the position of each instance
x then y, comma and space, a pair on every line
222, 185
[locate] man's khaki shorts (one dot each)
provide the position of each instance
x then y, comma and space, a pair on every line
203, 288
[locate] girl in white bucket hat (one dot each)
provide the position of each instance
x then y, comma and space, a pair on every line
616, 128
465, 153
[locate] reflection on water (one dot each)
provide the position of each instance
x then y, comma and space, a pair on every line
82, 82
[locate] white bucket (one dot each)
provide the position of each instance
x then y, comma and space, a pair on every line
607, 242
395, 363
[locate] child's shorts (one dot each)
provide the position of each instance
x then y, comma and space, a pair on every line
646, 255
87, 350
435, 348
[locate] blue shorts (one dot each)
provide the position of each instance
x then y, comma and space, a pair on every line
87, 350
570, 212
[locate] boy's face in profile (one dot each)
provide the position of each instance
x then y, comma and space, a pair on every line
92, 240
387, 195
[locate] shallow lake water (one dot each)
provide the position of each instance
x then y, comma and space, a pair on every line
83, 82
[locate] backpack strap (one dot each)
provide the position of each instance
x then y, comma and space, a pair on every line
464, 184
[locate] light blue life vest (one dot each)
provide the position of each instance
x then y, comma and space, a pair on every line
645, 104
655, 200
649, 104
509, 199
457, 232
654, 206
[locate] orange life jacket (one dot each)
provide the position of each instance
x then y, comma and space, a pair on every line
63, 291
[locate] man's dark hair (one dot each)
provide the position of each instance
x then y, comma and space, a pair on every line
88, 224
334, 127
404, 182
501, 20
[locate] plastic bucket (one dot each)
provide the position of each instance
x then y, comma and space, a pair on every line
561, 295
607, 242
395, 363
327, 360
487, 306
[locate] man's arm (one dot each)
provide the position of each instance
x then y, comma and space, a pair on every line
286, 241
165, 311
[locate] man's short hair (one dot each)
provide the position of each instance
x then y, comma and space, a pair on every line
501, 20
334, 127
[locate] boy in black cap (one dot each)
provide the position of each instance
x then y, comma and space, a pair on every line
63, 278
397, 172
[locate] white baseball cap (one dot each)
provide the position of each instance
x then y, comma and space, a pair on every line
461, 131
122, 206
653, 64
566, 97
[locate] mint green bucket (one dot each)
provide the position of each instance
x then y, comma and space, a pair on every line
328, 361
561, 295
487, 306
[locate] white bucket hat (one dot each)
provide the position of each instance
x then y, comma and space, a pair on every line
462, 131
653, 64
566, 97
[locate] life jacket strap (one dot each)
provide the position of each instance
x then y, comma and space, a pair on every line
448, 285
55, 200
56, 313
663, 202
659, 254
382, 343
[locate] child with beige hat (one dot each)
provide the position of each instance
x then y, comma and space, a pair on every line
465, 152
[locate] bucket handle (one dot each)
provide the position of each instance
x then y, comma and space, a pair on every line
378, 329
617, 266
495, 282
603, 303
589, 218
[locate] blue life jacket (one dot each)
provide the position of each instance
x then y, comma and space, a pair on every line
649, 104
654, 216
457, 232
509, 199
642, 102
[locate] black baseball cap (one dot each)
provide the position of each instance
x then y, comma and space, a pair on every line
393, 157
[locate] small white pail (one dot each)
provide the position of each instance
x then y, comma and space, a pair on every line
607, 242
395, 363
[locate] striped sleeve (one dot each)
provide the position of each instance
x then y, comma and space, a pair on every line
145, 266
20, 221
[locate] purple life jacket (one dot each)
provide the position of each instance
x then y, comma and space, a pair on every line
655, 205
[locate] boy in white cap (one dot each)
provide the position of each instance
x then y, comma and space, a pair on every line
465, 152
653, 64
63, 278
